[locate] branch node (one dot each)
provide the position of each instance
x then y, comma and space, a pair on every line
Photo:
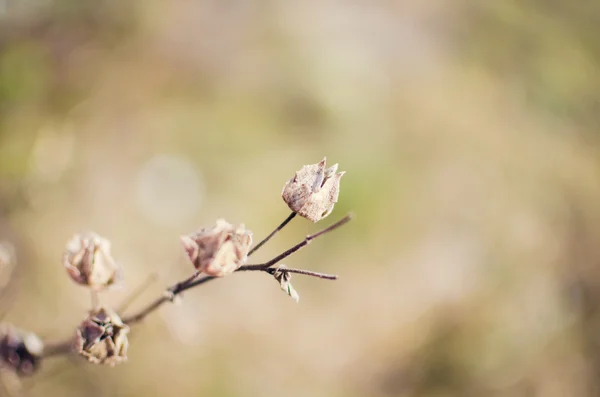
169, 295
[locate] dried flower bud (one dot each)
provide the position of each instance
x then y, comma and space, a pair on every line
102, 337
313, 191
218, 250
88, 261
20, 350
283, 277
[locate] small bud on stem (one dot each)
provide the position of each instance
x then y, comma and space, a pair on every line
219, 250
313, 191
89, 262
102, 337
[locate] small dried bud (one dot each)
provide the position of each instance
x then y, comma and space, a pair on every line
20, 350
313, 191
88, 261
218, 250
102, 338
283, 277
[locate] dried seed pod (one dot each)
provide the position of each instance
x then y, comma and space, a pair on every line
218, 250
20, 350
89, 262
283, 277
102, 337
313, 191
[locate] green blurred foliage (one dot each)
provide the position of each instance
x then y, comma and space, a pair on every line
548, 50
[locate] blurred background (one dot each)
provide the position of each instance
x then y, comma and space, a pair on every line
469, 133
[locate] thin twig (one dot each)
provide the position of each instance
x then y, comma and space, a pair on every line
274, 232
272, 270
296, 247
168, 296
57, 349
135, 294
149, 309
182, 284
194, 284
324, 276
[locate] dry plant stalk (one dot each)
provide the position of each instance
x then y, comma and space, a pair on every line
215, 252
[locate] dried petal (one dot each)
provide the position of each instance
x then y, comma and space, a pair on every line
102, 337
218, 250
313, 191
89, 262
20, 350
283, 277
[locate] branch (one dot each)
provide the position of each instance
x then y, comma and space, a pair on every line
178, 288
168, 296
171, 293
302, 244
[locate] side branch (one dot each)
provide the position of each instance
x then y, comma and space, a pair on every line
302, 244
274, 232
324, 276
57, 349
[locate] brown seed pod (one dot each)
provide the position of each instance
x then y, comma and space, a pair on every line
20, 350
313, 191
218, 250
102, 337
89, 262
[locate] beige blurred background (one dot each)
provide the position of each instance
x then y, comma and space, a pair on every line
469, 133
